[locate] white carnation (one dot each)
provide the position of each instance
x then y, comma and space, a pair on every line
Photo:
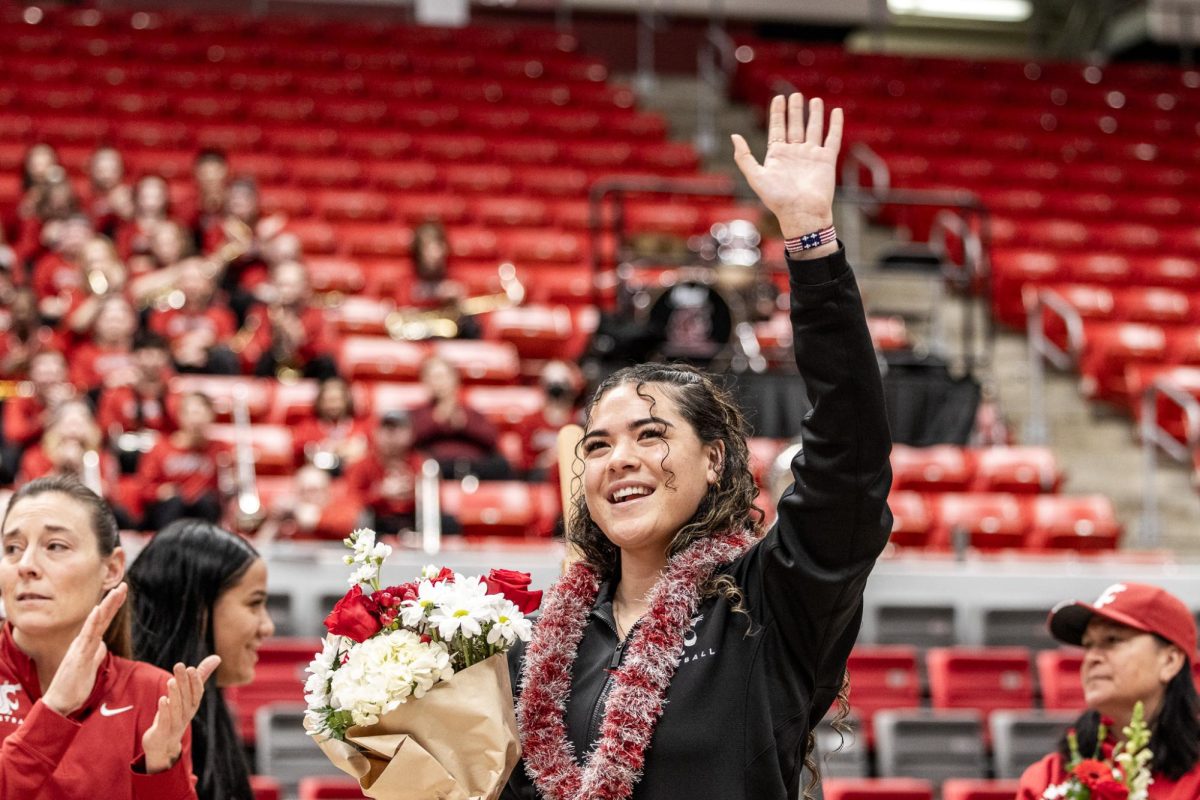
384, 671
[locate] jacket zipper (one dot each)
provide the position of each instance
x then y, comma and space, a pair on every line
597, 717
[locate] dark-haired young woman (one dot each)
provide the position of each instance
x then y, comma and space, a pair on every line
688, 654
1139, 642
199, 590
77, 718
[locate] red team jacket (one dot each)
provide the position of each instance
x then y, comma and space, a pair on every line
1049, 771
93, 753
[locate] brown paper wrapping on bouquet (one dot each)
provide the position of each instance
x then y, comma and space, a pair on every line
458, 742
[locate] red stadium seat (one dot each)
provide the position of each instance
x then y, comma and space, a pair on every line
446, 208
481, 361
387, 396
1028, 470
985, 679
352, 205
406, 176
941, 468
882, 677
963, 789
510, 211
1109, 347
505, 406
912, 520
331, 274
380, 358
1169, 415
1155, 305
316, 237
480, 178
222, 391
497, 508
270, 444
988, 521
877, 789
265, 787
1058, 677
326, 172
537, 331
1076, 523
360, 315
1011, 270
376, 239
329, 789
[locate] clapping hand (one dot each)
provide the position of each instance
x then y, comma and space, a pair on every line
163, 740
76, 675
797, 177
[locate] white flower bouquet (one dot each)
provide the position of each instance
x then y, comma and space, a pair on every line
410, 693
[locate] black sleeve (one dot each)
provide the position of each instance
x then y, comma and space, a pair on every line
810, 570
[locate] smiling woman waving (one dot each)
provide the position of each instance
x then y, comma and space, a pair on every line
690, 652
77, 719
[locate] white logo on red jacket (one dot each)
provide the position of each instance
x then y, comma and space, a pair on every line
8, 701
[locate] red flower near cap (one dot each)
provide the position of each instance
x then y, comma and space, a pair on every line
446, 574
1090, 771
515, 587
1110, 789
405, 591
356, 616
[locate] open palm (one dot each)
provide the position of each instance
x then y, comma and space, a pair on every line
796, 179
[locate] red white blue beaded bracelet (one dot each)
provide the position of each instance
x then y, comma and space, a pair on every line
795, 246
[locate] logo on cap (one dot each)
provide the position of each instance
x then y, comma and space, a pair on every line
1109, 596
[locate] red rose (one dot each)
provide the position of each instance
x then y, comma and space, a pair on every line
1110, 789
1091, 772
515, 587
446, 574
355, 616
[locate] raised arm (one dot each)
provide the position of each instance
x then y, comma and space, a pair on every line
834, 522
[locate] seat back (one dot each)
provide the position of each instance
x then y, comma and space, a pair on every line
285, 751
931, 744
1020, 738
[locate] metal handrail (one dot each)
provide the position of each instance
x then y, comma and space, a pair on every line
1154, 438
715, 63
946, 223
862, 155
1040, 347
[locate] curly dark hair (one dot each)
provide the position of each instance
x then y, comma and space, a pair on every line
709, 409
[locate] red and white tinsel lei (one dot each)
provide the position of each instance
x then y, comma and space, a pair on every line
640, 685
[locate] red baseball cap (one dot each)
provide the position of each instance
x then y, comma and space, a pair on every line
1137, 605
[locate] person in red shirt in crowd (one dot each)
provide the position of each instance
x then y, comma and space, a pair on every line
334, 438
458, 437
59, 274
106, 361
287, 333
24, 335
134, 416
73, 445
48, 202
317, 508
151, 208
182, 475
104, 276
210, 172
1139, 642
249, 269
39, 169
561, 383
110, 200
385, 481
198, 327
26, 414
79, 719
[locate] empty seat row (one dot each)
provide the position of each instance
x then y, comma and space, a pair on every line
1002, 520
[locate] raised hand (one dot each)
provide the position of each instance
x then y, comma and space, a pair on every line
76, 675
163, 740
797, 178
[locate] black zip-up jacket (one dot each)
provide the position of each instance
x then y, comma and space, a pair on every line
751, 686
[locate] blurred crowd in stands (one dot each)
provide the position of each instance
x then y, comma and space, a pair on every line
108, 293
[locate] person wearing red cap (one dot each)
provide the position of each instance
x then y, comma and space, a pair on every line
1139, 642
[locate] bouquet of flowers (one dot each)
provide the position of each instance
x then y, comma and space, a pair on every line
411, 692
1125, 775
